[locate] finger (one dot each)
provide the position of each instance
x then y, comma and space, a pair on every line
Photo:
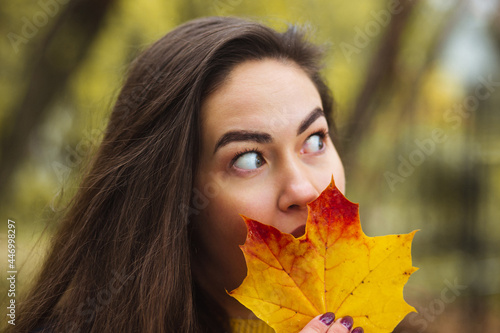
358, 330
342, 325
319, 324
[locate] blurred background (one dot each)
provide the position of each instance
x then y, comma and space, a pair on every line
417, 85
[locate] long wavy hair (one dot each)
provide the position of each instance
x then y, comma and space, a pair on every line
121, 259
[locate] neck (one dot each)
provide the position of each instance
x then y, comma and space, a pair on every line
210, 280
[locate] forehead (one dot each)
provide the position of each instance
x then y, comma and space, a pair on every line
260, 94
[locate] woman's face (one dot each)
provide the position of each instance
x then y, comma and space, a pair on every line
265, 154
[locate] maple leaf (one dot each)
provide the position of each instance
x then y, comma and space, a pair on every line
333, 267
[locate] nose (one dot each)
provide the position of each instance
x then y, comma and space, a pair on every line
297, 188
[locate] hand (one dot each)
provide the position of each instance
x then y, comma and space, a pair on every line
326, 324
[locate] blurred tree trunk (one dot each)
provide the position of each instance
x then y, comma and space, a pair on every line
48, 67
442, 34
481, 136
473, 185
378, 82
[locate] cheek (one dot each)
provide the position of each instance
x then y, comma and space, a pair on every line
225, 220
338, 170
257, 202
221, 225
339, 176
251, 202
335, 168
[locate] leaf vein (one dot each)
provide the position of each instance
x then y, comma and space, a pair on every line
369, 272
288, 273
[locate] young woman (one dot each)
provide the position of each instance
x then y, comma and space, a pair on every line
218, 118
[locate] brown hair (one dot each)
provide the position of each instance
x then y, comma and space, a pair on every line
121, 259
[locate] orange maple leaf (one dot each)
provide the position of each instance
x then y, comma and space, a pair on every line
333, 267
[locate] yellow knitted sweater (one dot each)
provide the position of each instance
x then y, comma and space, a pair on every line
249, 326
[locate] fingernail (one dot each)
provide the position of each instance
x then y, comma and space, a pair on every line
358, 330
327, 318
347, 321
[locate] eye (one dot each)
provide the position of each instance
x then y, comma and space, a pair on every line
248, 161
314, 143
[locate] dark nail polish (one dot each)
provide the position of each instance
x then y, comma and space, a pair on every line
327, 318
347, 321
358, 330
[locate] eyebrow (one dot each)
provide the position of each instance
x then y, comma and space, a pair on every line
315, 114
262, 137
235, 136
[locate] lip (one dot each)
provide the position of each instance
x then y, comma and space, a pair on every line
299, 231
